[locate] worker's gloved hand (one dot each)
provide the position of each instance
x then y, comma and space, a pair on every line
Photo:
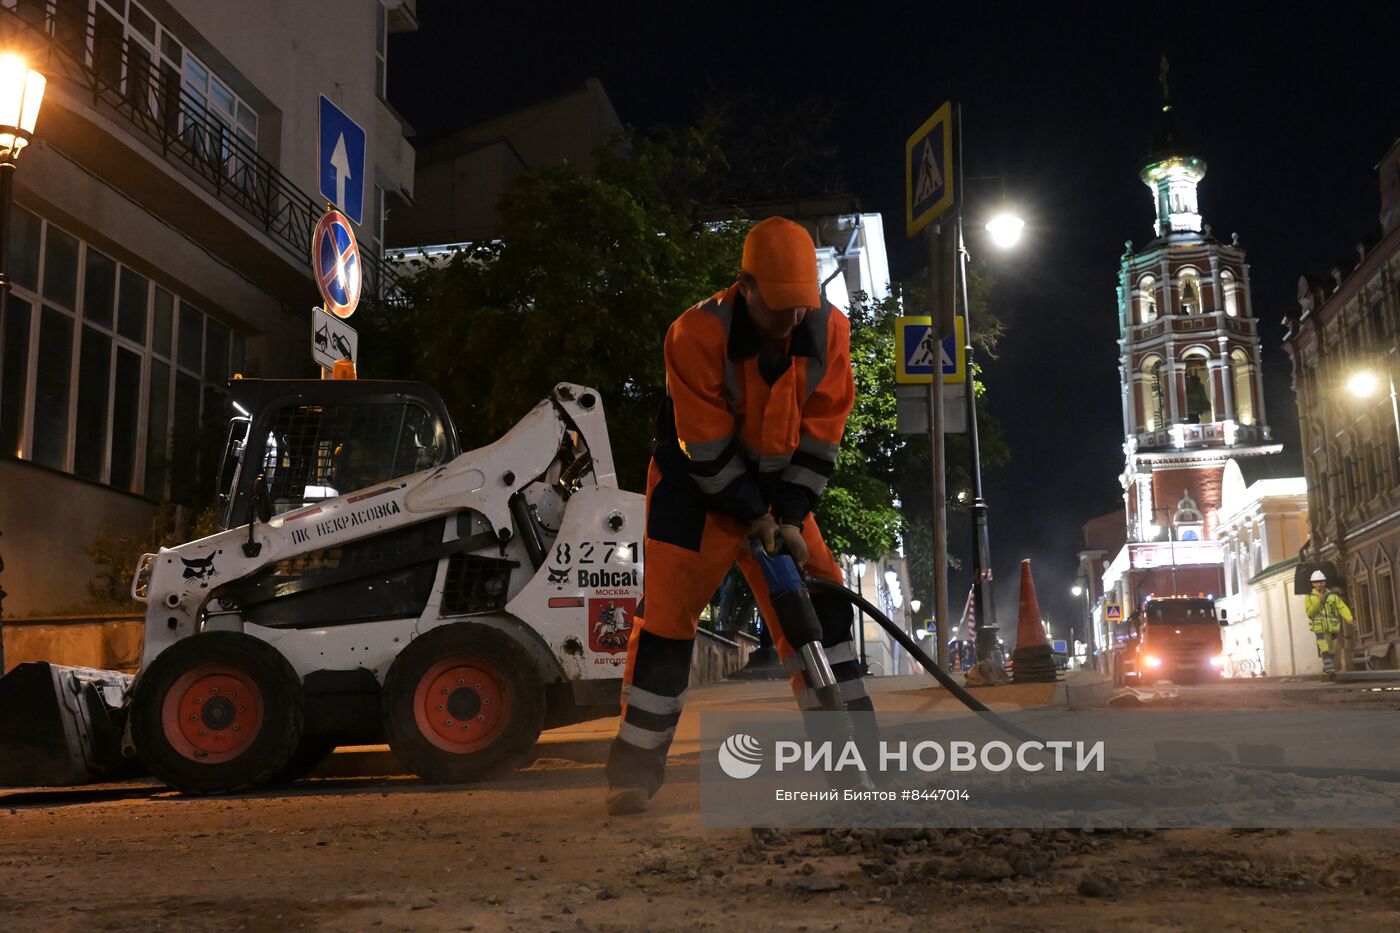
765, 529
793, 545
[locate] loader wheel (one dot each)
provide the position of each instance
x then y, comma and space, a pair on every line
462, 703
217, 713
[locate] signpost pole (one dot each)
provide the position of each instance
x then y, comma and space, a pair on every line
929, 192
936, 448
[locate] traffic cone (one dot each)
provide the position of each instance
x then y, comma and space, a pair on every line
1032, 662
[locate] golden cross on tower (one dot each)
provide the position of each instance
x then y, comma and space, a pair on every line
1162, 76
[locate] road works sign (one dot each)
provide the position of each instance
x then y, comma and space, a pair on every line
332, 340
335, 262
917, 352
928, 170
340, 161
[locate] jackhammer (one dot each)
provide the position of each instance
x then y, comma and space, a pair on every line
800, 626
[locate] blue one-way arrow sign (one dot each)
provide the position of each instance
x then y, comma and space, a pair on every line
341, 161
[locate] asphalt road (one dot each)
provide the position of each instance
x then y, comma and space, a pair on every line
535, 851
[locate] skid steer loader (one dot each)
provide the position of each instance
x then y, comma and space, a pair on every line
371, 583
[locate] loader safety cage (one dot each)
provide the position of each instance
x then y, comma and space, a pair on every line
318, 439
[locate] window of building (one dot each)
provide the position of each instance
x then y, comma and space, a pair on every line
1243, 386
1386, 619
1190, 292
14, 372
106, 391
133, 52
1200, 387
1227, 291
1355, 480
1361, 609
1153, 402
1147, 299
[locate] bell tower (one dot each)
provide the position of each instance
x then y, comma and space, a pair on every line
1189, 355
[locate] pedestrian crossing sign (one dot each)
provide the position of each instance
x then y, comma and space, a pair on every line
917, 352
928, 170
1113, 612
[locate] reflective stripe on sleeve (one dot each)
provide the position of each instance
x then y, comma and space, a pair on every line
807, 479
818, 448
705, 450
714, 485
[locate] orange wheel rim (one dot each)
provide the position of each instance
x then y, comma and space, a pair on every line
212, 713
462, 705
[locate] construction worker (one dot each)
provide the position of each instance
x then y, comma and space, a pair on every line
1326, 613
758, 387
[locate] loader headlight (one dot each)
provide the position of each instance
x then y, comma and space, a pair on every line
1153, 661
141, 582
1217, 661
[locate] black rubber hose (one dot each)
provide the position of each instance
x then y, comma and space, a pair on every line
930, 665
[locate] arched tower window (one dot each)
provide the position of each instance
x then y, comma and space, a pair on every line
1188, 520
1190, 292
1227, 290
1147, 299
1153, 403
1243, 387
1200, 390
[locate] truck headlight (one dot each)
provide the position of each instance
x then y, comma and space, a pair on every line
1217, 661
1153, 661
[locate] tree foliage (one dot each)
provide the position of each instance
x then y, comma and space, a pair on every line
587, 275
589, 271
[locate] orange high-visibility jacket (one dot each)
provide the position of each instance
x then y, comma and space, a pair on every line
745, 438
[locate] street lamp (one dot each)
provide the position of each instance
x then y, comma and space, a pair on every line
1153, 530
1076, 590
21, 93
1005, 230
1364, 385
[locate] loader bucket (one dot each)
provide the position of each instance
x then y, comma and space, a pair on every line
61, 726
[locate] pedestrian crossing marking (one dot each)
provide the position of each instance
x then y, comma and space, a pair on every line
930, 178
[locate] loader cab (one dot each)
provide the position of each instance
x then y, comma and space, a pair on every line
316, 439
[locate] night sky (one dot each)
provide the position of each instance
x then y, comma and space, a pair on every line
1292, 108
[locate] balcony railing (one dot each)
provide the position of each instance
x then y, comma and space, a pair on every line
1194, 436
149, 97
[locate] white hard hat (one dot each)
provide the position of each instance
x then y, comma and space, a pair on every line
1318, 577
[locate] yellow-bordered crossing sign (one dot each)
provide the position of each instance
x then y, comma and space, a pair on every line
917, 352
928, 170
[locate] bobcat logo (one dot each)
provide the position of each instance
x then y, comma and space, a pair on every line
201, 568
558, 577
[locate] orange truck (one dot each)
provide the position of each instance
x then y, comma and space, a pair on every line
1174, 638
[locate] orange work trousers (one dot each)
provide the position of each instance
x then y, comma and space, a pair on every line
688, 552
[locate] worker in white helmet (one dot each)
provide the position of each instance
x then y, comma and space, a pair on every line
1326, 612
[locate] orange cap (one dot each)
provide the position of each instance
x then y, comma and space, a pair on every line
780, 256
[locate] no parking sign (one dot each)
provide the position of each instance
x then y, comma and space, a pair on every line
335, 262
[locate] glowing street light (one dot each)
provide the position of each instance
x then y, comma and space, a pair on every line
1076, 590
21, 94
1364, 384
1005, 229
